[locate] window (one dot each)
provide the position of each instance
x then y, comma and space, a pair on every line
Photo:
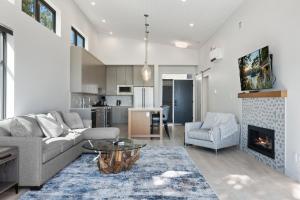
77, 39
3, 68
41, 11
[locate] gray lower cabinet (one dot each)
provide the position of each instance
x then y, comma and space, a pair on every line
119, 114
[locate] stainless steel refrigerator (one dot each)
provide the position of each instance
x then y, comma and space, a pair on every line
143, 97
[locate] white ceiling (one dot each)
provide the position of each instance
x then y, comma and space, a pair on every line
169, 19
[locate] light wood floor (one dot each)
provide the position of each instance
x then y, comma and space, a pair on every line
232, 173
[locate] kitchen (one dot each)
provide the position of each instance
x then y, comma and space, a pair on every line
103, 93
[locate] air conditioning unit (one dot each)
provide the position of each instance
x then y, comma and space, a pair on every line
215, 54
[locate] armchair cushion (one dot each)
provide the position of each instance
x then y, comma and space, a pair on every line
200, 134
211, 120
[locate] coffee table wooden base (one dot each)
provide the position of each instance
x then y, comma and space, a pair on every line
117, 161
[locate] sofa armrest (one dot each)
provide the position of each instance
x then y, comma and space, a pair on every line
192, 125
30, 158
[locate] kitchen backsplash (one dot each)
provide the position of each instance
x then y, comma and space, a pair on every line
78, 102
125, 100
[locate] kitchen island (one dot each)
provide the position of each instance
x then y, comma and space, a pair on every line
139, 123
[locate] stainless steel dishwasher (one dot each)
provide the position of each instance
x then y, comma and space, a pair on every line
101, 117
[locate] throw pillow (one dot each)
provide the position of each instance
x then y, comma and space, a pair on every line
57, 116
5, 127
73, 120
20, 128
49, 126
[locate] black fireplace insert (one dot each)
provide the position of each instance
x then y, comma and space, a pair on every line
261, 140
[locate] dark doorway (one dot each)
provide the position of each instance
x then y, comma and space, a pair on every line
183, 101
168, 97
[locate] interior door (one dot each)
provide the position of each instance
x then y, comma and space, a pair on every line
168, 97
183, 101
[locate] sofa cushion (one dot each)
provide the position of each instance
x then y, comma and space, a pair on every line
57, 116
76, 137
5, 127
101, 133
200, 134
25, 126
52, 147
49, 126
73, 120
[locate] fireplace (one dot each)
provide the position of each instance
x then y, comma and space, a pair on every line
262, 140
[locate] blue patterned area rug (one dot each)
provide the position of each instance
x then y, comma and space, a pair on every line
161, 173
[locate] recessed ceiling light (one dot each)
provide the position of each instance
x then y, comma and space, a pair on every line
110, 33
103, 21
93, 3
183, 0
181, 44
192, 25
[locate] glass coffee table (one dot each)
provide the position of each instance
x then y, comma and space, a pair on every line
115, 155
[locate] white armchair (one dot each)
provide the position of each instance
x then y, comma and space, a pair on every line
219, 130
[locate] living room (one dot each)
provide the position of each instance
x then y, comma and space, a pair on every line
178, 110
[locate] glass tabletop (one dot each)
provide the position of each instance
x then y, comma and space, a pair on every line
109, 145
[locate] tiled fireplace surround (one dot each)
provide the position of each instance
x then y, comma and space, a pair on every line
266, 113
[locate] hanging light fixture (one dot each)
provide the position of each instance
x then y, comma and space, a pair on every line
146, 70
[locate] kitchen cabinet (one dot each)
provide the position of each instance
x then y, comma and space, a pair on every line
121, 75
124, 75
138, 79
111, 81
129, 75
87, 72
119, 114
118, 75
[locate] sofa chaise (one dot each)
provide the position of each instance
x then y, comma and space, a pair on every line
40, 156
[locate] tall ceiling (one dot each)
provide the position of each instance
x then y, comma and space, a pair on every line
169, 19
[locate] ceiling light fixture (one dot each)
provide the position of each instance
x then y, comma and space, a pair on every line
183, 0
110, 33
181, 44
192, 25
103, 21
146, 71
93, 3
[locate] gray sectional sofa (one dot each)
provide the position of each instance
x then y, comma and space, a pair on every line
40, 158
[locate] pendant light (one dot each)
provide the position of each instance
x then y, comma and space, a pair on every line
146, 70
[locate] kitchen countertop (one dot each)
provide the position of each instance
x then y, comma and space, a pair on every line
157, 109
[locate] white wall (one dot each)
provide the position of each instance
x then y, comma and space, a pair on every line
42, 58
265, 22
114, 50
